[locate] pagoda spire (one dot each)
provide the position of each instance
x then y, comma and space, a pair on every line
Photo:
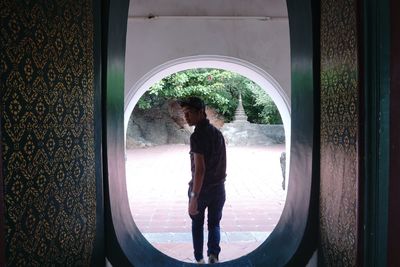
240, 115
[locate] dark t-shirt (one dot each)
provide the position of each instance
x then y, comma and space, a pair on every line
208, 141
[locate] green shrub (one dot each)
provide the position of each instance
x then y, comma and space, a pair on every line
219, 89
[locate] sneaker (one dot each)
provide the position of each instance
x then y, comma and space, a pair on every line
201, 261
212, 259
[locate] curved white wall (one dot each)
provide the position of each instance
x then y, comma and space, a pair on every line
153, 42
256, 48
244, 68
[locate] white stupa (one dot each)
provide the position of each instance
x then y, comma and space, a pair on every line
240, 115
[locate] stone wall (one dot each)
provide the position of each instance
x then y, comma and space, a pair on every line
166, 125
157, 126
253, 134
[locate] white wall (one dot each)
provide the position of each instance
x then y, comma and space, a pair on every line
152, 42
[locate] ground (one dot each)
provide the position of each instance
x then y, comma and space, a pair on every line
157, 180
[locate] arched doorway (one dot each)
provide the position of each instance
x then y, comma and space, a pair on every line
246, 69
156, 178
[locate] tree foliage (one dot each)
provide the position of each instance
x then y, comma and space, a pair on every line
219, 89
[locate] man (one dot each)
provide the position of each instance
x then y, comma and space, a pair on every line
207, 187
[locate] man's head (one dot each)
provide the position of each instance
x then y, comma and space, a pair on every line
194, 110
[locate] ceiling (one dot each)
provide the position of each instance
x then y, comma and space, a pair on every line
269, 8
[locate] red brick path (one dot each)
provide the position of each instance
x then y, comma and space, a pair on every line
157, 180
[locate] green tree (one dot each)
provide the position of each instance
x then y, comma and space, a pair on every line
220, 89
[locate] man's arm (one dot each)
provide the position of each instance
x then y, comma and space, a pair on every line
199, 170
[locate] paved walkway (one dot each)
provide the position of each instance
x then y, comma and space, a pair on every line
157, 180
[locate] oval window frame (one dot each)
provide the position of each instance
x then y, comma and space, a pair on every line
294, 239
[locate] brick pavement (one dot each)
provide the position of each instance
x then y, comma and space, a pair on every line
157, 180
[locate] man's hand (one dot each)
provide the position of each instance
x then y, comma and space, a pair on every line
193, 206
199, 170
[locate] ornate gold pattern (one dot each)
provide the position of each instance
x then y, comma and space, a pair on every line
47, 102
339, 133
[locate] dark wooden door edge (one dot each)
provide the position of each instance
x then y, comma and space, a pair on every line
394, 172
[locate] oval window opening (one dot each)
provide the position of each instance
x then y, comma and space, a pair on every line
158, 164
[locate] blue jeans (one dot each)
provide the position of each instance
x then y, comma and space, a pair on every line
213, 199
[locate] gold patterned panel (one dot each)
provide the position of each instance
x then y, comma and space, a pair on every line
339, 133
47, 102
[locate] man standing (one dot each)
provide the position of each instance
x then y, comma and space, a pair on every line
207, 186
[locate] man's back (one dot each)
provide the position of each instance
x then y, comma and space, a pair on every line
209, 141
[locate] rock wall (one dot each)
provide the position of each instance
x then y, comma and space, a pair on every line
166, 125
249, 134
157, 126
